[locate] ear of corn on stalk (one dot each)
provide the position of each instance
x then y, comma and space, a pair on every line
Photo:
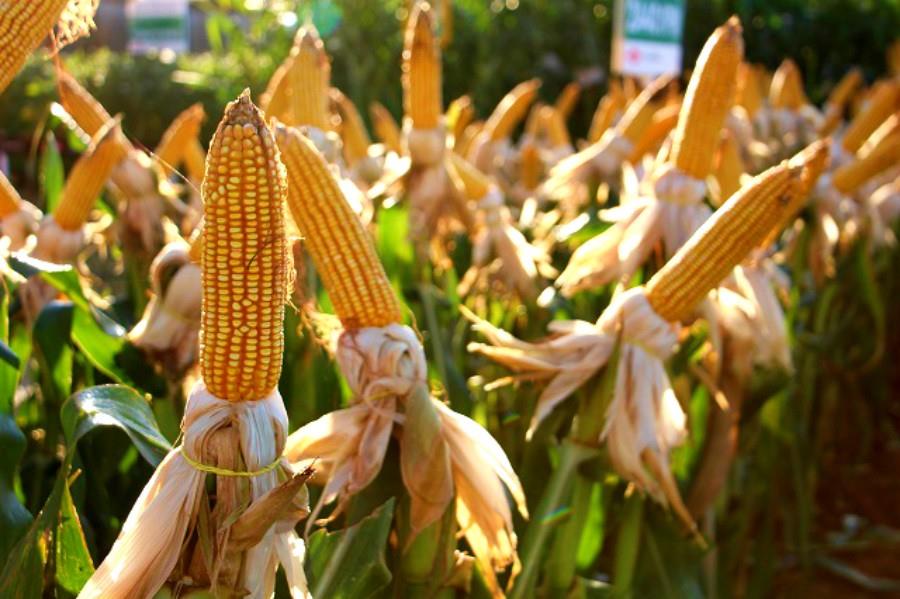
604, 115
511, 110
885, 101
709, 97
852, 175
344, 256
422, 98
179, 137
729, 166
23, 25
88, 176
385, 127
310, 81
459, 114
245, 258
749, 94
664, 120
786, 90
354, 136
568, 99
639, 113
838, 98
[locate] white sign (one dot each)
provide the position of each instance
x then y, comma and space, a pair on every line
647, 37
155, 25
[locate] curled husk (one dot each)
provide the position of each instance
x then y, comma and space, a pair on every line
19, 225
163, 522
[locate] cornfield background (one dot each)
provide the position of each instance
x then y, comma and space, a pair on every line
807, 507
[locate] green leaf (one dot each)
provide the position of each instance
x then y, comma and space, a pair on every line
114, 405
51, 328
73, 560
14, 518
9, 373
52, 175
350, 563
594, 529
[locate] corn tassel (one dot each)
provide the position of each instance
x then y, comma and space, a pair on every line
24, 25
385, 127
662, 123
786, 90
511, 110
345, 258
568, 99
245, 259
10, 200
838, 99
709, 97
179, 136
422, 100
723, 241
849, 177
310, 81
607, 109
353, 131
885, 101
88, 177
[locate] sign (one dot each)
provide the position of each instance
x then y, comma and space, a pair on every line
156, 25
647, 37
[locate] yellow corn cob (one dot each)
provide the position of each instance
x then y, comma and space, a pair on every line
88, 176
276, 100
176, 140
23, 25
567, 99
533, 124
530, 166
881, 105
464, 143
459, 114
607, 109
422, 100
884, 132
849, 177
88, 113
310, 81
709, 97
385, 127
729, 166
722, 242
630, 89
475, 183
640, 112
195, 160
787, 87
511, 110
10, 200
749, 94
838, 99
245, 257
663, 121
555, 127
353, 131
339, 245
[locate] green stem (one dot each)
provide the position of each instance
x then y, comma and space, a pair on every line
628, 547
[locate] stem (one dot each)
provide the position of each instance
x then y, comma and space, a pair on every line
628, 547
570, 457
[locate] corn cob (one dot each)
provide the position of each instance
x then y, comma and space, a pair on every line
640, 112
567, 99
353, 131
88, 113
459, 114
850, 176
511, 109
630, 89
178, 137
10, 200
530, 166
838, 99
883, 133
709, 97
276, 100
245, 257
663, 121
385, 127
749, 94
787, 87
722, 242
465, 142
475, 183
555, 127
609, 105
23, 25
422, 99
88, 177
310, 81
881, 105
344, 256
195, 161
729, 166
533, 123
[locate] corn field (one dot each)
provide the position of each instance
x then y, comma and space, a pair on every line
341, 353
